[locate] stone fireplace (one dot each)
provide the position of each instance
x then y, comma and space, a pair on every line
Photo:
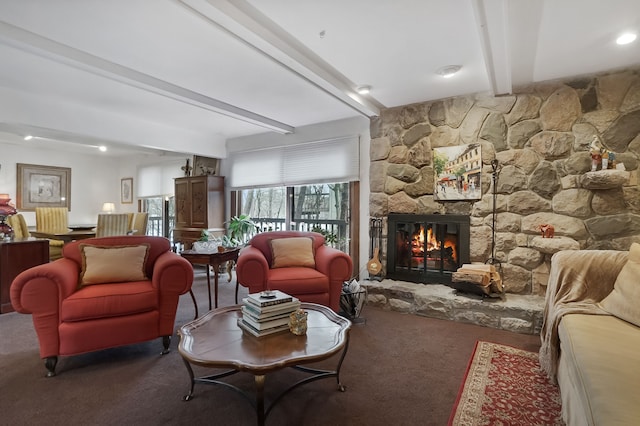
426, 248
541, 137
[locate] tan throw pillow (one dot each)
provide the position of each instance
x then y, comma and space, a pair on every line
295, 251
113, 264
624, 301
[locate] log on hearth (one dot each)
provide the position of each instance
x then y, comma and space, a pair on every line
477, 278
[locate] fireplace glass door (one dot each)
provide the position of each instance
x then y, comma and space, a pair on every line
427, 248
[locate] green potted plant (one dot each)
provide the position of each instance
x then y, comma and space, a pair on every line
241, 228
229, 242
330, 238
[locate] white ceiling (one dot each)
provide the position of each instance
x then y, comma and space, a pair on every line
187, 75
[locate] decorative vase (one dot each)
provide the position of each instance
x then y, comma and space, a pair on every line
298, 322
6, 210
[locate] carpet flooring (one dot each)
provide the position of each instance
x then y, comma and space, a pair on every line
400, 369
506, 386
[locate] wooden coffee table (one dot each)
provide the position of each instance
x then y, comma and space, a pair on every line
216, 341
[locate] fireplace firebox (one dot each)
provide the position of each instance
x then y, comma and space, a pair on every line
426, 248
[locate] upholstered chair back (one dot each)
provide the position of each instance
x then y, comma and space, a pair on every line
52, 219
112, 225
19, 225
138, 223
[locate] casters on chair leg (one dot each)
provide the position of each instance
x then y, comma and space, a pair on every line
50, 363
166, 341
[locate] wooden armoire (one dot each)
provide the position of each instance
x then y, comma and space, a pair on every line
199, 206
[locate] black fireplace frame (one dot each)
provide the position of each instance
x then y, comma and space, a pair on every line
430, 276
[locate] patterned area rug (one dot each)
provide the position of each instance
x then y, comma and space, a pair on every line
505, 386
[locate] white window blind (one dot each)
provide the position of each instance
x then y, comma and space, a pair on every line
257, 168
157, 180
335, 160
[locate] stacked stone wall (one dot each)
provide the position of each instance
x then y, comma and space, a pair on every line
541, 137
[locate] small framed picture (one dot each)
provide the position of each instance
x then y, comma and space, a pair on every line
126, 190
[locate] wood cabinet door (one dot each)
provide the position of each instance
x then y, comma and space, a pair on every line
199, 197
183, 203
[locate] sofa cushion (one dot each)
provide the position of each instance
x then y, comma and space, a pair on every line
109, 300
599, 372
296, 251
624, 300
298, 281
112, 264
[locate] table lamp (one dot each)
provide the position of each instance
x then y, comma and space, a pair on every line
108, 208
6, 210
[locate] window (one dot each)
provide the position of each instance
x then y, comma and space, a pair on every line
161, 215
310, 186
323, 208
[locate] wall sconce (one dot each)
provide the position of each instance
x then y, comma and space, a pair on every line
108, 208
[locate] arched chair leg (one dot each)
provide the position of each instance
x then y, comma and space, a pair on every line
50, 363
166, 341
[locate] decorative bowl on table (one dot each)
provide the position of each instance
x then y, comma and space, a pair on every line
206, 246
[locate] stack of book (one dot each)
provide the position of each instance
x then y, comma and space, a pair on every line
267, 312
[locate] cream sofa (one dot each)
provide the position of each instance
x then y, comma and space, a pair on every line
591, 335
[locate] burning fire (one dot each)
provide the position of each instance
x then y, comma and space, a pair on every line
433, 246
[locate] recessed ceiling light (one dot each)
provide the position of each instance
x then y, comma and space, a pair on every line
449, 70
626, 38
28, 138
102, 148
363, 90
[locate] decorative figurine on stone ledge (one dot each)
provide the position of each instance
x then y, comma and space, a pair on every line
596, 151
548, 231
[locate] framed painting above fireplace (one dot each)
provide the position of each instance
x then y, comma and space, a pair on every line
457, 170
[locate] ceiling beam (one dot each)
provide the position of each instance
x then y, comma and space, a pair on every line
249, 25
525, 18
28, 41
492, 23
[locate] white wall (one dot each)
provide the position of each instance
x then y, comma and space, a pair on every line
335, 129
95, 179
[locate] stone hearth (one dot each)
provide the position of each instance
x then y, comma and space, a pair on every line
513, 312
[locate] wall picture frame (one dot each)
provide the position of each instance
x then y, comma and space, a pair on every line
205, 166
457, 172
126, 190
42, 186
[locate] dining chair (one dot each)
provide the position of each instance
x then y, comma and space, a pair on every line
138, 223
53, 220
112, 224
19, 225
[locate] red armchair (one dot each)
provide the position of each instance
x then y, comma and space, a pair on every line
320, 282
72, 318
